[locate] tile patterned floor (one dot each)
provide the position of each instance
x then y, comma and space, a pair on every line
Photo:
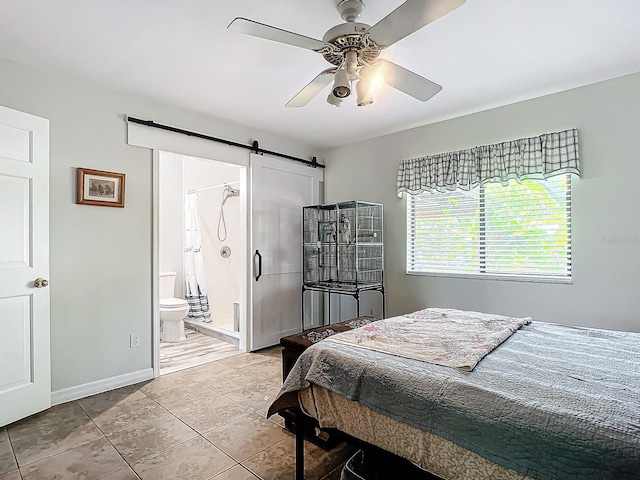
206, 422
197, 349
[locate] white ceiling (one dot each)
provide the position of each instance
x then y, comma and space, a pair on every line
486, 53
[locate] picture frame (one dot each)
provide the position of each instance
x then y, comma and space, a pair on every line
101, 188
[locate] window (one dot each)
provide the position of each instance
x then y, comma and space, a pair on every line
522, 230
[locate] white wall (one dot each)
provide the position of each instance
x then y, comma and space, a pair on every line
171, 218
606, 226
93, 315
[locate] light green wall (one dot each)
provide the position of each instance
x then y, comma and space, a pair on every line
606, 223
101, 257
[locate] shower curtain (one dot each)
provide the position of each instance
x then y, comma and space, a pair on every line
195, 284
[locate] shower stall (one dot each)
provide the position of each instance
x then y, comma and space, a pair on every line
205, 245
211, 261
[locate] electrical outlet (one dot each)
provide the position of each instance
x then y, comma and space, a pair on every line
134, 340
371, 312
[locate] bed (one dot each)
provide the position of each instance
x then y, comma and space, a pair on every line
550, 402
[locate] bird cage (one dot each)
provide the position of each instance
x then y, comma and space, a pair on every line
343, 245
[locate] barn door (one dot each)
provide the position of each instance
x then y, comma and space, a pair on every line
279, 191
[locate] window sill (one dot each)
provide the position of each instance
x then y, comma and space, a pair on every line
501, 277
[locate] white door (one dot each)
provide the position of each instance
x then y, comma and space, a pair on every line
280, 189
25, 380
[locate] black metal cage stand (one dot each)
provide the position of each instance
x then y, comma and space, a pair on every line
355, 293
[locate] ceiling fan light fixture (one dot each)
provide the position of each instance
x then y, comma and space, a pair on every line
351, 63
376, 82
350, 47
333, 100
341, 87
365, 96
373, 76
371, 80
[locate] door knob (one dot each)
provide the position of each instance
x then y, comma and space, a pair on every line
40, 283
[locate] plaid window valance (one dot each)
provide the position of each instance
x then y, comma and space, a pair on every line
535, 157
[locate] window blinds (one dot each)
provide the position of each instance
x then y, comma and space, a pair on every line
521, 229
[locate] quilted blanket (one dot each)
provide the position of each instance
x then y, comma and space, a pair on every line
452, 338
552, 402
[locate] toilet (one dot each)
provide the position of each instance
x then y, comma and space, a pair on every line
172, 310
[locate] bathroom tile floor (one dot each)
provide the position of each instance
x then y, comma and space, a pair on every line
206, 422
197, 349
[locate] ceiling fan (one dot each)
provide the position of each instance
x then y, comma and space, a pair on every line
353, 49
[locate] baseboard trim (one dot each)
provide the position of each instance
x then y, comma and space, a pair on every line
100, 386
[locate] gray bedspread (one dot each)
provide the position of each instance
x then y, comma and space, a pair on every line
552, 402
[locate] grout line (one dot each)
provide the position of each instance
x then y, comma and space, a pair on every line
149, 456
257, 453
249, 411
128, 464
182, 421
260, 451
63, 451
198, 434
234, 466
236, 463
156, 454
202, 435
121, 470
13, 451
114, 447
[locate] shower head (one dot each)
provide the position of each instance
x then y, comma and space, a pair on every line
232, 192
229, 192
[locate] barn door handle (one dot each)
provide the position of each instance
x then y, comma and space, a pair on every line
259, 265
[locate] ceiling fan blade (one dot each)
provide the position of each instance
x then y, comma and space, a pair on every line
314, 87
408, 82
412, 15
256, 29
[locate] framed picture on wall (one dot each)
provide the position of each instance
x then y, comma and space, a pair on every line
96, 187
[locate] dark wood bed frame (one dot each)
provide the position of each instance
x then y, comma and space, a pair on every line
294, 345
402, 468
307, 428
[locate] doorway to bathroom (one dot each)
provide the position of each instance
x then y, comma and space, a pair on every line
201, 244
